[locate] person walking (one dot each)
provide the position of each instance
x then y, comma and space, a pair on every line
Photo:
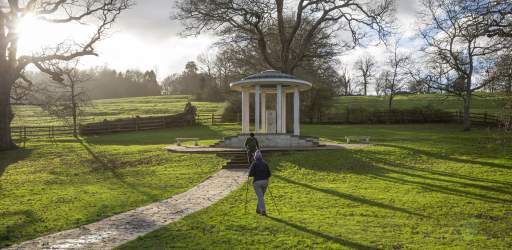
251, 145
260, 172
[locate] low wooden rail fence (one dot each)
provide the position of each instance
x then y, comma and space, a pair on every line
23, 133
137, 124
206, 118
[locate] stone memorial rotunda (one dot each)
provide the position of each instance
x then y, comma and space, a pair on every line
270, 88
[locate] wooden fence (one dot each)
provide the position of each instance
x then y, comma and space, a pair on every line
137, 124
206, 118
484, 119
23, 133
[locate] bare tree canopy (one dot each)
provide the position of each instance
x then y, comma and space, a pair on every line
459, 48
98, 13
396, 76
366, 67
312, 21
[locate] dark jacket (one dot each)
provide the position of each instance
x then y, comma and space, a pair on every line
259, 170
251, 144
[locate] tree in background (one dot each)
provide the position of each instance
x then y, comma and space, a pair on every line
201, 85
366, 65
396, 76
101, 13
66, 98
457, 36
381, 81
284, 41
107, 83
345, 80
500, 77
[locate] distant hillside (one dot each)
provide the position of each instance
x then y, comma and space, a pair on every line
164, 105
480, 103
117, 108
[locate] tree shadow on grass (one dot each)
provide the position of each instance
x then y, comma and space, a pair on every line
157, 137
420, 180
331, 161
10, 232
112, 168
346, 243
349, 197
447, 157
11, 157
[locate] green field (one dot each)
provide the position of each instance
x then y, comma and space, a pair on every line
419, 187
165, 105
49, 187
481, 102
110, 109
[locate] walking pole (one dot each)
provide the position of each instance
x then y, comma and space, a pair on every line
274, 201
246, 191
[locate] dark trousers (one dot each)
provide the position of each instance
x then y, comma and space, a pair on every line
250, 156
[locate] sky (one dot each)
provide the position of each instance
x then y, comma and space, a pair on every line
145, 38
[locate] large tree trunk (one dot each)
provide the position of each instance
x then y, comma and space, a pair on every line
466, 114
6, 115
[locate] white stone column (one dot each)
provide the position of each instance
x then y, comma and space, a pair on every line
283, 112
279, 108
245, 111
263, 112
257, 109
296, 111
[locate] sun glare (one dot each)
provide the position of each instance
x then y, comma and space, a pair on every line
35, 34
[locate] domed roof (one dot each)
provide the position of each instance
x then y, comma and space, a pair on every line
269, 78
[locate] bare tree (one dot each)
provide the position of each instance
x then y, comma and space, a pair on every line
381, 81
455, 35
395, 79
101, 13
346, 83
67, 99
313, 22
498, 14
366, 67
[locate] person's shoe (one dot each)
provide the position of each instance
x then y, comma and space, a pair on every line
258, 211
263, 213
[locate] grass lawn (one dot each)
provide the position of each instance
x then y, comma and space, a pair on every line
483, 102
49, 187
117, 108
419, 187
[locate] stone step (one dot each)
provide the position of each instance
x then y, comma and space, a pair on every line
239, 166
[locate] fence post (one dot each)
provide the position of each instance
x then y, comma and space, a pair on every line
24, 136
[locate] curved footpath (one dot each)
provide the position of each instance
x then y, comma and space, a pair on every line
119, 229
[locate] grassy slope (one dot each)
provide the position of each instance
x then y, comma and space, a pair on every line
422, 186
116, 108
486, 102
164, 105
47, 187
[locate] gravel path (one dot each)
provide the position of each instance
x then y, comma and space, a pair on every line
121, 228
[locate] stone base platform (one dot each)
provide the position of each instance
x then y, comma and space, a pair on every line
270, 141
202, 149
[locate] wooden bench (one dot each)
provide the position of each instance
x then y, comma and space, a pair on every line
357, 138
180, 140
